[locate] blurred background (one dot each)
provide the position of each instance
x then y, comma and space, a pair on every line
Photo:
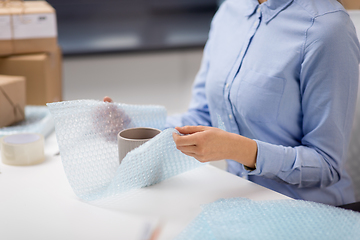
135, 51
92, 26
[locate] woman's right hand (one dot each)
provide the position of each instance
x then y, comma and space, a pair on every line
110, 119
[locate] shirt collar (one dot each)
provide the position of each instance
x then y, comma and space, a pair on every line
251, 6
269, 9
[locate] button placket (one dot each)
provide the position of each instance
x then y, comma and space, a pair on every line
235, 69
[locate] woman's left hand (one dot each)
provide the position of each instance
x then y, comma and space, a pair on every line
210, 144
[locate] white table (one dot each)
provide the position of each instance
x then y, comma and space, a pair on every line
36, 202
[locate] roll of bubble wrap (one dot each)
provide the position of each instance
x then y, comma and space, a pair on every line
86, 133
240, 218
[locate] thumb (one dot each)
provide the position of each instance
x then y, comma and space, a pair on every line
190, 129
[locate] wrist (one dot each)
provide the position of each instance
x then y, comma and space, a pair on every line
244, 151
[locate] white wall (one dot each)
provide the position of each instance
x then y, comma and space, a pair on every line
160, 78
355, 17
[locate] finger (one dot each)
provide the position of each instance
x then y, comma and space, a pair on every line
188, 149
187, 140
194, 151
107, 99
190, 129
190, 154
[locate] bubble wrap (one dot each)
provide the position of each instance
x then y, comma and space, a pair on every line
88, 147
37, 120
240, 218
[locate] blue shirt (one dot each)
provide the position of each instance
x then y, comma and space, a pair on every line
284, 73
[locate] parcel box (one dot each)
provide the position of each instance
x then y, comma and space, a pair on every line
42, 72
27, 27
12, 99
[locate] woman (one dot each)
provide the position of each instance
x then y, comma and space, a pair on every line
283, 77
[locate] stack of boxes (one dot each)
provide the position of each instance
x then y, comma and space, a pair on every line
30, 59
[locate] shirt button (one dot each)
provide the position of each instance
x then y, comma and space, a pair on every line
258, 10
227, 85
230, 116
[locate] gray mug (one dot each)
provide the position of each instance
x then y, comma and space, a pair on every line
131, 138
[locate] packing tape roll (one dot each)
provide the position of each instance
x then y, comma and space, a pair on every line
22, 149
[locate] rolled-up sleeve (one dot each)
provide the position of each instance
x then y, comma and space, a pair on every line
328, 86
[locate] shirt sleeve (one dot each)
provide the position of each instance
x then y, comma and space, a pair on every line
328, 84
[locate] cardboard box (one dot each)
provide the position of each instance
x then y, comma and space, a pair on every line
43, 73
27, 27
351, 4
12, 99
